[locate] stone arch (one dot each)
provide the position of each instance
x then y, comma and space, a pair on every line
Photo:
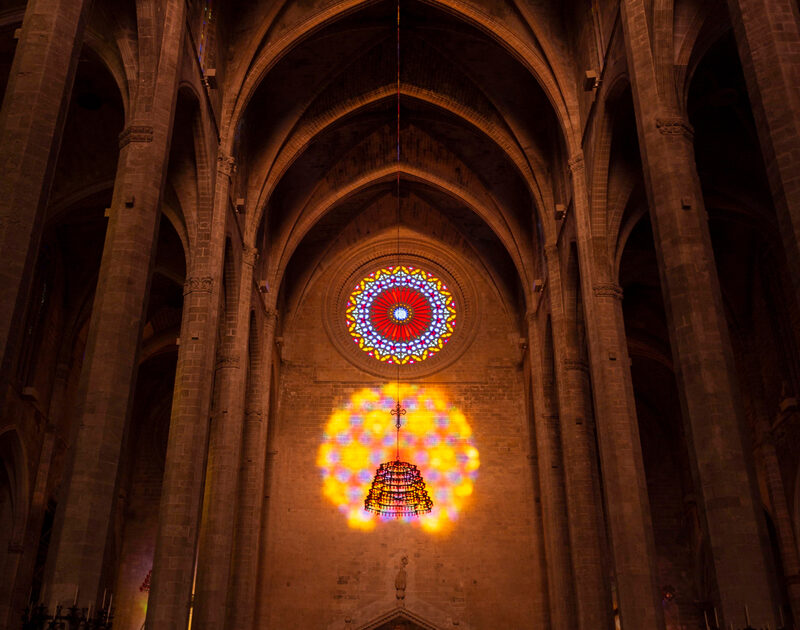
115, 66
607, 211
398, 618
373, 223
627, 224
305, 134
302, 226
563, 103
623, 175
617, 84
188, 170
706, 29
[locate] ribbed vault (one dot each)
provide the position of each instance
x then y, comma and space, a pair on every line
480, 139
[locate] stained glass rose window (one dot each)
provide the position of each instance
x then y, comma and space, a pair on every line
401, 314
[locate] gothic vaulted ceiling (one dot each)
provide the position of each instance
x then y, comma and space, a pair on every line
314, 123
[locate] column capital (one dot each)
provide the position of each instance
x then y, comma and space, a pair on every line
226, 164
671, 125
576, 162
573, 364
135, 133
227, 361
249, 255
198, 284
608, 289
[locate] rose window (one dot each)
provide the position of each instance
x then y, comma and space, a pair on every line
401, 314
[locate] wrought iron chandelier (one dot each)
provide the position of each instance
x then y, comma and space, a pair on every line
398, 489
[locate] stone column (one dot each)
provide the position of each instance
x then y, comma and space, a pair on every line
551, 480
700, 340
577, 438
768, 38
248, 543
108, 376
184, 471
215, 551
624, 483
20, 585
31, 123
767, 456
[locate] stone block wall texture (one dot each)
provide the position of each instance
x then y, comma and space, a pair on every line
322, 572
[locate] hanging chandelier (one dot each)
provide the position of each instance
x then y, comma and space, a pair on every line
398, 489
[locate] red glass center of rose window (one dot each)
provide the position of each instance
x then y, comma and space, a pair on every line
400, 313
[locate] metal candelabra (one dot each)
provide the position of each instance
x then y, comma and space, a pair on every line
714, 624
39, 618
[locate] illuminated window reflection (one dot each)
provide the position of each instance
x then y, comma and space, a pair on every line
435, 436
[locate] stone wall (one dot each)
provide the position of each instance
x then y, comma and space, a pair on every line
481, 572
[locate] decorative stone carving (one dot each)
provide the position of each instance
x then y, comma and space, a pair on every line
400, 582
227, 361
608, 289
226, 164
572, 364
270, 317
551, 252
249, 255
196, 284
135, 133
576, 162
675, 126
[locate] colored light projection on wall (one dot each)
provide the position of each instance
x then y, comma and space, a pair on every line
435, 436
401, 314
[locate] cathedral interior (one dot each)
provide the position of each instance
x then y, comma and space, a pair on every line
526, 271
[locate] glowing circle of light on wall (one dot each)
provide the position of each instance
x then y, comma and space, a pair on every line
401, 314
436, 436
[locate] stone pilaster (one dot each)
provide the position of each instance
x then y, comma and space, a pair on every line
586, 528
768, 38
767, 457
31, 123
215, 552
624, 483
108, 376
248, 543
700, 340
15, 600
184, 472
551, 481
